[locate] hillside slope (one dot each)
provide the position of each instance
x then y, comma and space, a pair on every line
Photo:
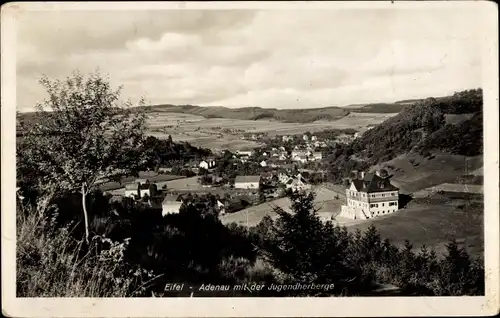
420, 128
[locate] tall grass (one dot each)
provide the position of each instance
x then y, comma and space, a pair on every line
51, 263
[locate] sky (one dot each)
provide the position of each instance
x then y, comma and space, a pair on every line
264, 58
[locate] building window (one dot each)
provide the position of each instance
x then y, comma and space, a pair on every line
382, 204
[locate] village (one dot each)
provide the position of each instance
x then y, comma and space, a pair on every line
231, 182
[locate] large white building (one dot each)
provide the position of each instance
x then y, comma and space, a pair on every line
370, 195
247, 182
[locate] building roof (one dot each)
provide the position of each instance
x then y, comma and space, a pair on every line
247, 179
145, 186
170, 198
132, 186
372, 183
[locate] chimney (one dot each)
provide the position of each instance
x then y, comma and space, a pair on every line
354, 174
361, 175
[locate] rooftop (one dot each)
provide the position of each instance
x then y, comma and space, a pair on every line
372, 183
247, 179
132, 186
171, 198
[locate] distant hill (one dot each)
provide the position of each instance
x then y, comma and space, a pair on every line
379, 108
256, 113
283, 115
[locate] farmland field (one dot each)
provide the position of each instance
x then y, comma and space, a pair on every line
223, 133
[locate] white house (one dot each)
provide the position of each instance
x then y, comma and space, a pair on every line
283, 157
300, 156
305, 138
297, 153
132, 190
317, 156
263, 163
208, 163
247, 182
171, 205
204, 165
244, 153
314, 138
370, 195
149, 189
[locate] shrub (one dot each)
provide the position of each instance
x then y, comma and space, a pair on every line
51, 263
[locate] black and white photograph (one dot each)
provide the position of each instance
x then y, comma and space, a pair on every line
246, 152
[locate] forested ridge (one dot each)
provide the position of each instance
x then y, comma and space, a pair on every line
419, 128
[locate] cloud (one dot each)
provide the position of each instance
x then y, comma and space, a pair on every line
273, 58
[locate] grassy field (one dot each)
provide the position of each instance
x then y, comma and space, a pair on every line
325, 203
430, 221
432, 224
425, 173
213, 132
156, 178
183, 184
421, 222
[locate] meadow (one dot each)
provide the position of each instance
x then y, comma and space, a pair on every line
423, 222
325, 203
433, 224
412, 172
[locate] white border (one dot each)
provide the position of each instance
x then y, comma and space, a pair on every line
238, 307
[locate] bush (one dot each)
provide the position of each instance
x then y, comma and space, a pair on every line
51, 263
